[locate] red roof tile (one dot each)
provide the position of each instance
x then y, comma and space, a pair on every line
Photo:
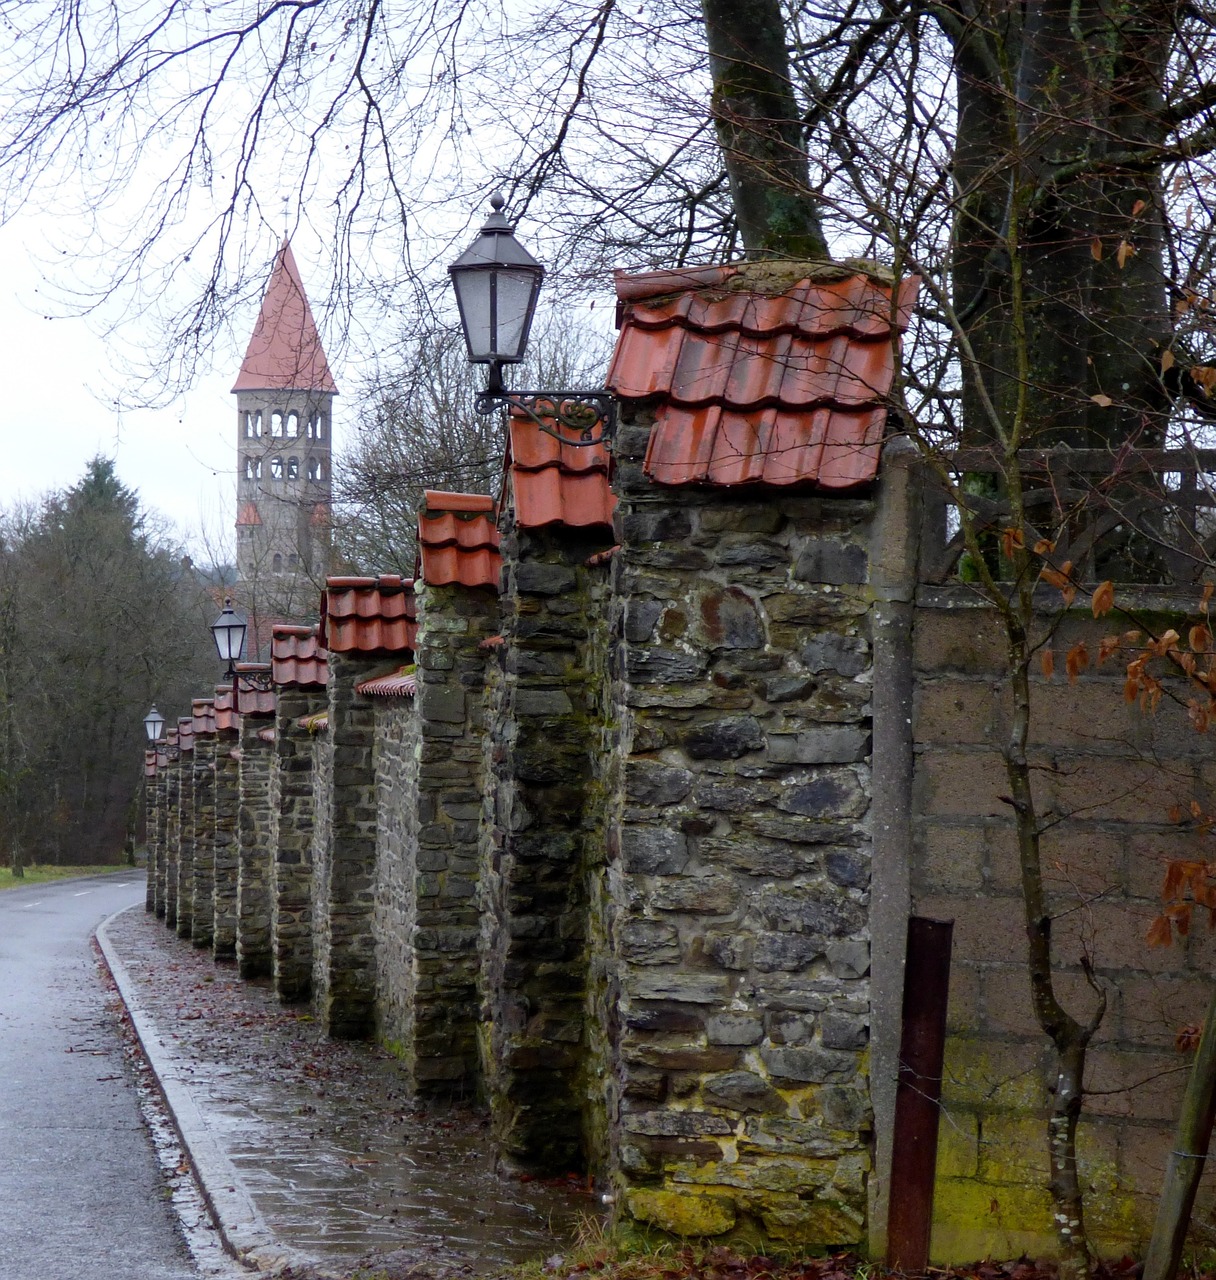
162, 756
185, 733
267, 734
397, 684
252, 701
150, 763
204, 716
756, 388
458, 539
296, 657
314, 723
247, 514
226, 719
368, 615
285, 352
555, 482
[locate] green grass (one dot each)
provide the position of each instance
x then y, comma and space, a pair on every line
42, 875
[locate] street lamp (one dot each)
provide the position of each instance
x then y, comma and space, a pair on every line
154, 723
228, 631
497, 282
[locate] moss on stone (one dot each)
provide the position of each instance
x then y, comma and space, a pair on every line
682, 1214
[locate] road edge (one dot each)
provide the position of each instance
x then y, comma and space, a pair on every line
243, 1230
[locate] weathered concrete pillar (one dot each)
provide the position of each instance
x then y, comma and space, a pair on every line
740, 862
185, 827
157, 868
542, 839
150, 828
300, 675
364, 620
227, 802
255, 706
202, 925
429, 771
173, 828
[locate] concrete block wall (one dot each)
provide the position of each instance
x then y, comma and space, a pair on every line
1106, 778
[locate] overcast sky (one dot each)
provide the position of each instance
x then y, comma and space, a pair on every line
60, 409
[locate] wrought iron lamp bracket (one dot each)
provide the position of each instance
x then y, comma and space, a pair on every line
588, 417
253, 681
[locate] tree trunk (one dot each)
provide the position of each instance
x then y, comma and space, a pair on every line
1186, 1160
759, 132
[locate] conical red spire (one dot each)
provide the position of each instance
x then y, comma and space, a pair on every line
285, 352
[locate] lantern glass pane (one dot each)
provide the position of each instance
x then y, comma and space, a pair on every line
516, 298
229, 632
473, 298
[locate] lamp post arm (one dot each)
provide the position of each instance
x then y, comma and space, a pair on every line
589, 415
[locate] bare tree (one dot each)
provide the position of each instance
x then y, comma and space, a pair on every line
418, 429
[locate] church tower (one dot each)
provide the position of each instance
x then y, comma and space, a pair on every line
284, 397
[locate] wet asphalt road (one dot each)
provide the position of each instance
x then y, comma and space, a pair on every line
81, 1195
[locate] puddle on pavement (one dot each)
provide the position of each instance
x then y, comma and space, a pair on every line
337, 1159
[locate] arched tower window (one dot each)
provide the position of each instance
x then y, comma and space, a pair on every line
314, 468
253, 468
277, 564
276, 468
276, 424
293, 468
293, 425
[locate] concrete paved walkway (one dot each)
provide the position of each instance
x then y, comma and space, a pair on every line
81, 1193
309, 1149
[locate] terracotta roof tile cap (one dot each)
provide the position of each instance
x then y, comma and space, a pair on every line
439, 501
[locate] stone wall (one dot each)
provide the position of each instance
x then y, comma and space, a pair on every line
202, 921
344, 964
172, 837
291, 836
638, 869
224, 884
185, 845
453, 622
535, 856
254, 955
740, 865
396, 754
1106, 777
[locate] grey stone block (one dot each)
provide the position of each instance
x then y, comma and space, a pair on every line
844, 1030
814, 1066
845, 655
734, 1028
726, 739
832, 744
742, 1091
812, 909
849, 958
654, 851
687, 988
832, 562
536, 578
713, 895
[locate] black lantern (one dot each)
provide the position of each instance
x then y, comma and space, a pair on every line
229, 633
497, 282
154, 724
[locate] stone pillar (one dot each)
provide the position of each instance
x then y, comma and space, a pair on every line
539, 846
292, 811
227, 801
157, 851
253, 952
429, 761
344, 960
173, 830
150, 829
185, 834
202, 923
740, 864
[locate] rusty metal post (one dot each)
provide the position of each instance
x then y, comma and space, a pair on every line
921, 1053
